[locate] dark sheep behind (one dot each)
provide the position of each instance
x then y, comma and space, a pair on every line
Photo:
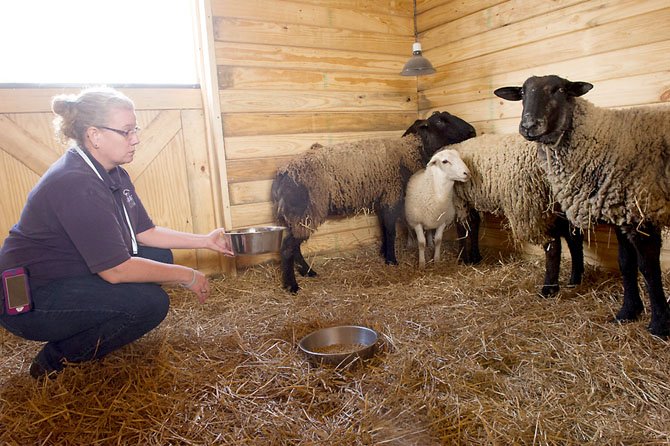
355, 177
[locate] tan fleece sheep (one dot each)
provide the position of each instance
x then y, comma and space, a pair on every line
378, 174
608, 166
620, 176
507, 180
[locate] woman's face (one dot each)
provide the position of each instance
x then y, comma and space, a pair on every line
114, 142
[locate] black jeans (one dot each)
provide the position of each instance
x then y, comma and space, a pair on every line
84, 318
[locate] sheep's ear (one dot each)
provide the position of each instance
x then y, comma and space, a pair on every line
414, 128
578, 88
509, 93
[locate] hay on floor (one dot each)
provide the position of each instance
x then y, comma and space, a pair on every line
468, 355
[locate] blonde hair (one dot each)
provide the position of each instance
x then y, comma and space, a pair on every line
89, 108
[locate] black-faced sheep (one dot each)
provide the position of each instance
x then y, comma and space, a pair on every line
506, 179
350, 178
429, 200
610, 166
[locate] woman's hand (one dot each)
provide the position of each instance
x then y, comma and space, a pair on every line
160, 237
218, 240
199, 285
140, 270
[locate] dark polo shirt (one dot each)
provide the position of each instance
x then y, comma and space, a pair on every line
73, 224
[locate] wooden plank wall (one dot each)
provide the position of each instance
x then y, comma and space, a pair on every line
171, 169
477, 46
292, 73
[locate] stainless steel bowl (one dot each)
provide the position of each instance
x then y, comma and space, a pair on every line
341, 345
257, 240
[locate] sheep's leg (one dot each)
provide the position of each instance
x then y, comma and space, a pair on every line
552, 266
438, 242
463, 244
632, 304
382, 249
552, 256
468, 238
474, 221
421, 241
287, 251
388, 217
411, 241
575, 239
430, 238
648, 249
304, 268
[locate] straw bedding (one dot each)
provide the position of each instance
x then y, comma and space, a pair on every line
468, 355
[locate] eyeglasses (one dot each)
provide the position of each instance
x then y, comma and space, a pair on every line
125, 133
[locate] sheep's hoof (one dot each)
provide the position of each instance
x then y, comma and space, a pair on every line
549, 290
628, 314
470, 260
575, 281
307, 273
391, 262
659, 328
292, 288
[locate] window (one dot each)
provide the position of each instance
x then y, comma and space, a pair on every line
97, 42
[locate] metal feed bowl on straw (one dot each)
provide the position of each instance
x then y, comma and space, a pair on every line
340, 345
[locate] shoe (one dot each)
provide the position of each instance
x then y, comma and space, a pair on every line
38, 371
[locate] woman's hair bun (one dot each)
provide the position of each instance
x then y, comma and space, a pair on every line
62, 104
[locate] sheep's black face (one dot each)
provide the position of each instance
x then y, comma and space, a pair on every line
548, 102
449, 129
441, 129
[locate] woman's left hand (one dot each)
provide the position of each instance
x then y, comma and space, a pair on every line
218, 240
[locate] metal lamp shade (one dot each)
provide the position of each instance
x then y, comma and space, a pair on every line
417, 65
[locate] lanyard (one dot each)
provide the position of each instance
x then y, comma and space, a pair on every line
133, 240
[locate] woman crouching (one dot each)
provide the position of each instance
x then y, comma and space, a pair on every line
95, 259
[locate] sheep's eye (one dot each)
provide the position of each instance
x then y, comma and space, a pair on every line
560, 90
445, 161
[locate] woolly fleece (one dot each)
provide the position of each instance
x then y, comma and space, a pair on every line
429, 199
351, 177
612, 166
506, 179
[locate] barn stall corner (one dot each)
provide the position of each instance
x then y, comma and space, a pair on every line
467, 353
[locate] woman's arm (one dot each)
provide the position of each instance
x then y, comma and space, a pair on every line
160, 237
139, 270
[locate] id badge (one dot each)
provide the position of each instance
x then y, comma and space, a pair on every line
16, 290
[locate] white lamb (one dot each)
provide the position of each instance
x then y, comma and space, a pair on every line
429, 198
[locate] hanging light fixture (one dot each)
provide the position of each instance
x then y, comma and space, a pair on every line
417, 65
